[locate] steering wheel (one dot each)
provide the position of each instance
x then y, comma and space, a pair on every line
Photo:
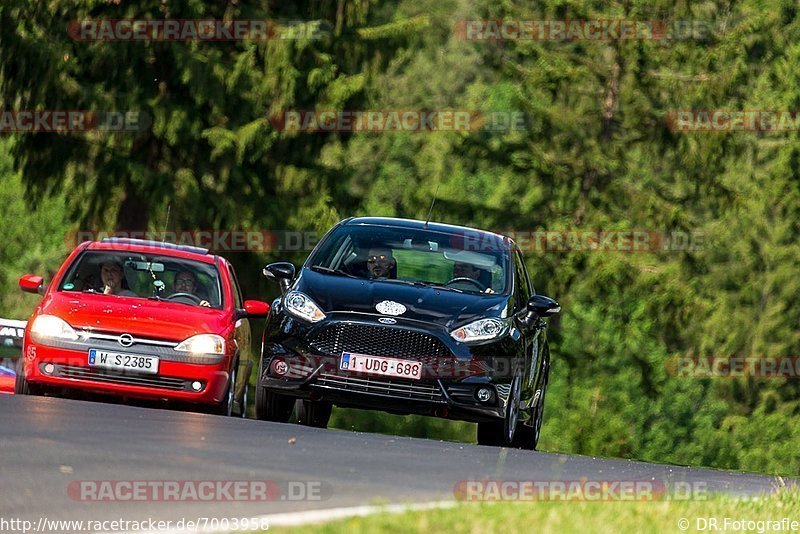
467, 279
190, 296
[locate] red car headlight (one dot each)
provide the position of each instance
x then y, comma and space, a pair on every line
48, 328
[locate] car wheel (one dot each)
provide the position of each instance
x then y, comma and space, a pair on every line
501, 433
23, 387
243, 402
539, 417
226, 406
271, 406
313, 413
527, 437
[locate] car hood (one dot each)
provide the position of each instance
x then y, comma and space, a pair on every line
445, 308
138, 317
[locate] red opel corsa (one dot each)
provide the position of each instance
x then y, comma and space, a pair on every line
141, 319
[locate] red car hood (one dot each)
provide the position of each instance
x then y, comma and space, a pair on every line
138, 317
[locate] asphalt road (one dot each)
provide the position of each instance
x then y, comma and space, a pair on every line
48, 443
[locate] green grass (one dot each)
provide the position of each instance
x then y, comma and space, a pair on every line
611, 517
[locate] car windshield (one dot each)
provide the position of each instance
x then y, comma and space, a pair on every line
476, 263
127, 274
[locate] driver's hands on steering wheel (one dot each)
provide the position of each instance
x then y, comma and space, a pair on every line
482, 288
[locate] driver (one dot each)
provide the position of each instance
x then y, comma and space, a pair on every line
468, 270
380, 263
186, 282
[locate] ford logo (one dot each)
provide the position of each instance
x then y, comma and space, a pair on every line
126, 340
387, 320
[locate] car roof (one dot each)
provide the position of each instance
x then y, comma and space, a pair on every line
145, 246
422, 225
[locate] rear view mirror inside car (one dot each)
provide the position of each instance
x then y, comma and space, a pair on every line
146, 266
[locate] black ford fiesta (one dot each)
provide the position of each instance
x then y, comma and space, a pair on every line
409, 317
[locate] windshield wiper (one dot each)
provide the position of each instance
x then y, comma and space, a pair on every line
328, 270
436, 286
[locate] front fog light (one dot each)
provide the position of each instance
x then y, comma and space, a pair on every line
197, 386
49, 368
484, 394
279, 367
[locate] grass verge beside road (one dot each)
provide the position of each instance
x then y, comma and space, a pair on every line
773, 513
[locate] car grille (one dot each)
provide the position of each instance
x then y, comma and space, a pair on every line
110, 377
161, 350
396, 389
376, 341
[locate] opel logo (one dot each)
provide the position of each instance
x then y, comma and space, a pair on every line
390, 307
126, 340
387, 320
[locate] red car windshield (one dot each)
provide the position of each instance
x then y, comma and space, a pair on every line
127, 274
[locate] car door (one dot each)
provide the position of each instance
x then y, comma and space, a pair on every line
530, 332
242, 335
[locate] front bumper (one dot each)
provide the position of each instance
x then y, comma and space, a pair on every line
305, 364
69, 368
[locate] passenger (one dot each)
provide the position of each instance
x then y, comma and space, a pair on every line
113, 277
381, 265
186, 282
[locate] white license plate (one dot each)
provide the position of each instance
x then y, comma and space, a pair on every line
123, 362
380, 365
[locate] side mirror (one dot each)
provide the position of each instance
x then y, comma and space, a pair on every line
281, 272
255, 308
30, 283
543, 306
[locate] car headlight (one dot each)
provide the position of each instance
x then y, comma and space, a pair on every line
203, 344
302, 306
49, 327
479, 330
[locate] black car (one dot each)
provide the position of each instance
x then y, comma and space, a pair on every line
409, 317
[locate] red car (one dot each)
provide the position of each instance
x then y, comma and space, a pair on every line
141, 319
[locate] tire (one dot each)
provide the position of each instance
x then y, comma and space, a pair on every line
225, 408
527, 437
243, 401
23, 387
313, 413
501, 433
271, 406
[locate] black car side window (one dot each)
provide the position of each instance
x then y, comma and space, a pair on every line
526, 281
521, 287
